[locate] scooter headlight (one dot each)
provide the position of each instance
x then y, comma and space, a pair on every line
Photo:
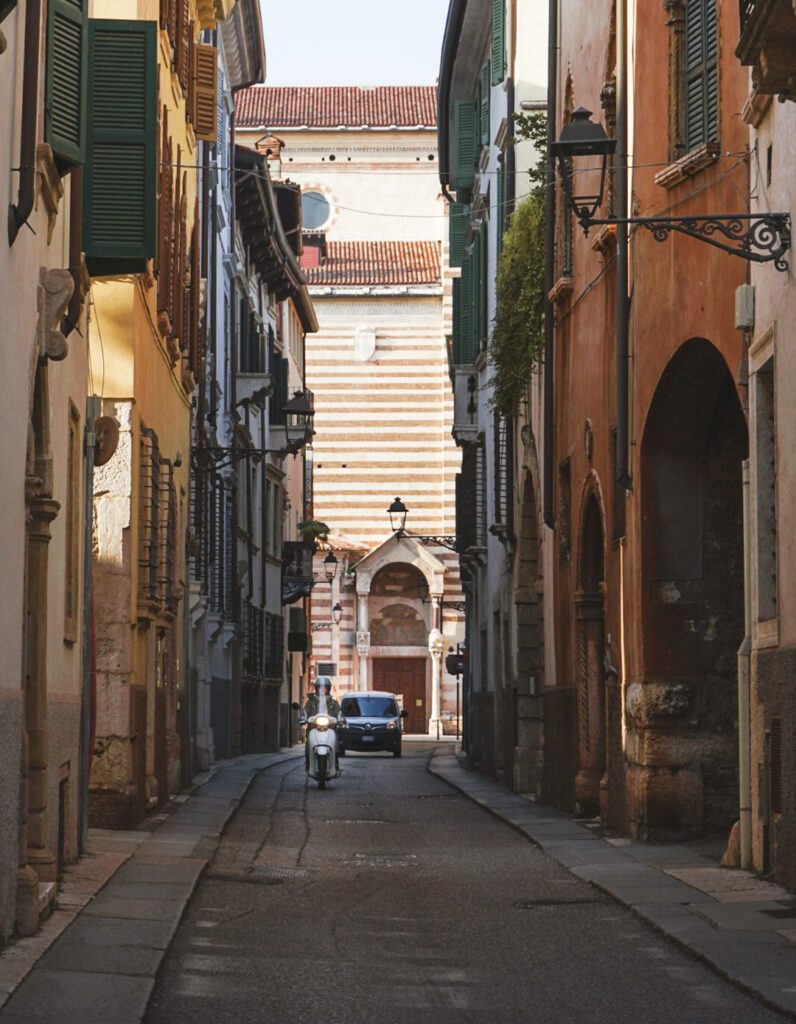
322, 722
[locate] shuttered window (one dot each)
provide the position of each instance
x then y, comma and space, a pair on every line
121, 151
500, 212
484, 104
465, 121
206, 63
463, 316
701, 73
65, 85
483, 287
498, 41
457, 225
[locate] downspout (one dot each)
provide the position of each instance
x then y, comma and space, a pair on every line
18, 215
744, 713
623, 477
549, 247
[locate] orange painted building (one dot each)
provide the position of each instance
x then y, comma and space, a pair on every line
641, 717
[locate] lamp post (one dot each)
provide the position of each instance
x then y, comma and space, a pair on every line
756, 237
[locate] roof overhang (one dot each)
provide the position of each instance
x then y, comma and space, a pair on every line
403, 550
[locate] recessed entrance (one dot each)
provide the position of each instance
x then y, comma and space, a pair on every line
405, 677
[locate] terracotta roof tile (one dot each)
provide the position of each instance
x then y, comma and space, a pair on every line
376, 263
335, 106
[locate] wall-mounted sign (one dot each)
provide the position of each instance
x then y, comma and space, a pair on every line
326, 668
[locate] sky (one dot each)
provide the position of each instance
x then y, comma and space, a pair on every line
353, 42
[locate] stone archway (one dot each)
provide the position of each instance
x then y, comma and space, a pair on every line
528, 726
590, 616
682, 715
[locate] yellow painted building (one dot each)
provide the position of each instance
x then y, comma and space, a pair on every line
145, 337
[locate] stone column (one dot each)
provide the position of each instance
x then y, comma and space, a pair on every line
40, 858
436, 645
363, 629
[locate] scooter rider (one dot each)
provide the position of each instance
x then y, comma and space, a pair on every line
322, 696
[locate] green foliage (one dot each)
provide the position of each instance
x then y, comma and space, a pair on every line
313, 529
517, 342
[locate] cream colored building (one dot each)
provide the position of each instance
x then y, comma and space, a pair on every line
767, 723
45, 383
374, 257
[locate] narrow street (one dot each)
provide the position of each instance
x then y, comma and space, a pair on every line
392, 897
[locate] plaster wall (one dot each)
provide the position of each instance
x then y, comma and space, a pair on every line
774, 639
381, 185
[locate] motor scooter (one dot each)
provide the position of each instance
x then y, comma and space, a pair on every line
321, 751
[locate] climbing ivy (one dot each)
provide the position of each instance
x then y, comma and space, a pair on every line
517, 342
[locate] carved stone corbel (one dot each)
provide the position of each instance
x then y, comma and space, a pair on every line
54, 292
51, 188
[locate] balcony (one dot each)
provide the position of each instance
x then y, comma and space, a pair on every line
465, 403
768, 44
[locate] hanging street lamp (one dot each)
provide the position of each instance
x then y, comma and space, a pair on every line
756, 237
337, 614
330, 567
398, 512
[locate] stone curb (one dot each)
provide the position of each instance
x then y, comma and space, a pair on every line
736, 939
105, 962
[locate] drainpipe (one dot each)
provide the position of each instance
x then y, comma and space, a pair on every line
744, 715
93, 410
549, 247
622, 299
18, 215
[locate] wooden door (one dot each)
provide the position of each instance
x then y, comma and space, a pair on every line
405, 677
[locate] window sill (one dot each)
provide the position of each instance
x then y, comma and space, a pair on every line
689, 165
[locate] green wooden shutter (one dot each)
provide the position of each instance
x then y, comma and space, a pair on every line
466, 318
65, 80
465, 120
500, 212
484, 282
701, 71
457, 320
457, 232
121, 152
477, 293
484, 112
498, 41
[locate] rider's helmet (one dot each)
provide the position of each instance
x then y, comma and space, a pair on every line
323, 684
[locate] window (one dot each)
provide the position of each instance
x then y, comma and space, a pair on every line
121, 147
72, 554
498, 41
484, 104
65, 80
315, 210
465, 148
701, 73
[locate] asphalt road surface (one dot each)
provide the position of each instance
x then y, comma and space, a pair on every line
390, 898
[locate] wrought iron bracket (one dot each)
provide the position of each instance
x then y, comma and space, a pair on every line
448, 541
211, 458
756, 237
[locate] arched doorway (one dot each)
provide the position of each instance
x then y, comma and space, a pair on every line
590, 615
400, 621
527, 737
685, 710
